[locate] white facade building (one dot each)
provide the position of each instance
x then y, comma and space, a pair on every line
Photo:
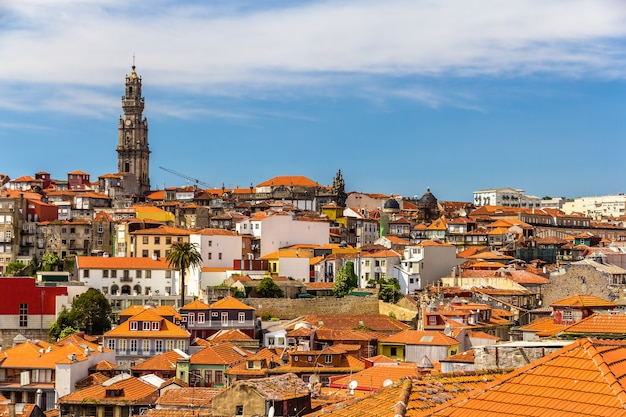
424, 264
131, 276
280, 229
506, 197
219, 249
598, 207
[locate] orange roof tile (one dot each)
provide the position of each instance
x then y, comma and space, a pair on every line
102, 262
423, 337
597, 325
584, 378
584, 301
195, 305
289, 180
224, 353
230, 303
162, 362
130, 391
167, 329
374, 378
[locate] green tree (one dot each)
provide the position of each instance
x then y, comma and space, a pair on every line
50, 262
267, 288
90, 312
182, 256
14, 267
345, 280
390, 290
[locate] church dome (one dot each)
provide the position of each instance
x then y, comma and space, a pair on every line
427, 200
391, 204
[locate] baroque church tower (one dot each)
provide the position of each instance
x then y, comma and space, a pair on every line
133, 153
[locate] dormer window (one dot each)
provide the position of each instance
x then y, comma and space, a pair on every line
328, 359
155, 325
146, 325
133, 325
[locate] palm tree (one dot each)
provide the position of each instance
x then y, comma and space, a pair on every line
182, 256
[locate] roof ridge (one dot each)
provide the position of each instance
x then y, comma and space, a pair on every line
598, 360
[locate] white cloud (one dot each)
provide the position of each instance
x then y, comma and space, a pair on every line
314, 47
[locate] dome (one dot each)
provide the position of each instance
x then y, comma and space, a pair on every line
427, 200
391, 204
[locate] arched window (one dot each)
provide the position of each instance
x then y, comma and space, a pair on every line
137, 289
126, 290
114, 289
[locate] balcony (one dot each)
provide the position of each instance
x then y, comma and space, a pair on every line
126, 279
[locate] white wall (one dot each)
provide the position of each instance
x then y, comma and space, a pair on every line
281, 230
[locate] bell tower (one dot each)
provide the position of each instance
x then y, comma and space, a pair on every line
133, 153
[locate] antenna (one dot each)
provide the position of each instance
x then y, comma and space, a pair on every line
270, 413
387, 382
314, 379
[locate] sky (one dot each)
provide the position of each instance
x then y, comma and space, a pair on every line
402, 96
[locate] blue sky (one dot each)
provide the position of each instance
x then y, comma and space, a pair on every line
400, 95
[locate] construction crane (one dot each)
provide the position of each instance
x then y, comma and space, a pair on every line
195, 180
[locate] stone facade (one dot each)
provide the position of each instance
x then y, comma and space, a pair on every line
577, 279
286, 308
513, 355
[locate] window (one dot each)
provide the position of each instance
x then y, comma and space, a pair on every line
191, 318
155, 325
219, 377
86, 273
200, 317
100, 242
393, 351
100, 229
168, 240
181, 345
114, 273
296, 358
23, 315
241, 317
224, 319
328, 359
159, 346
105, 273
133, 325
148, 290
168, 273
138, 273
219, 256
239, 410
432, 320
111, 344
144, 253
105, 290
122, 345
210, 255
157, 254
169, 345
210, 243
148, 274
146, 345
157, 240
146, 325
133, 345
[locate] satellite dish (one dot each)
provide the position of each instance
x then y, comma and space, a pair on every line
352, 385
271, 412
387, 382
314, 379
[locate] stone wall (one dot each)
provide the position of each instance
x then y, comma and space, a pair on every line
578, 279
288, 308
498, 357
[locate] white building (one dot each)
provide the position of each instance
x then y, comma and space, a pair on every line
376, 265
219, 249
598, 207
424, 264
280, 229
131, 276
507, 197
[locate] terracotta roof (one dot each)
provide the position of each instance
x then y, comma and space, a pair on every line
167, 329
289, 180
224, 353
42, 355
264, 354
195, 305
130, 391
420, 337
230, 303
103, 366
113, 262
193, 397
162, 230
163, 311
585, 378
216, 232
584, 301
605, 325
376, 322
374, 378
229, 334
162, 362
